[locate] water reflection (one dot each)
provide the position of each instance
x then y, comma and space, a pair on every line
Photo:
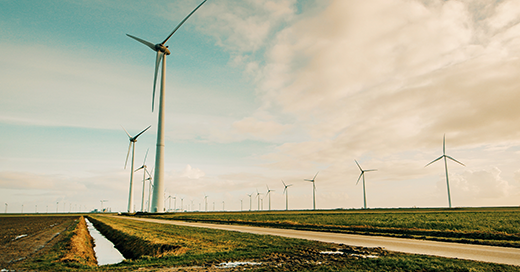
106, 253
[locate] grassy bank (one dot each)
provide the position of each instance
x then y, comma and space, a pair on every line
488, 226
208, 247
80, 248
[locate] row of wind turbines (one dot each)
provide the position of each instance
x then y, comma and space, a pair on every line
156, 204
157, 201
361, 176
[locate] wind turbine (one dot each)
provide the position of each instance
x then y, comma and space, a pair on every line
269, 194
144, 178
313, 190
363, 175
446, 165
150, 187
258, 196
286, 192
162, 52
206, 202
133, 140
250, 201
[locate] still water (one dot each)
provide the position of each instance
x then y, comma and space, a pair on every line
106, 253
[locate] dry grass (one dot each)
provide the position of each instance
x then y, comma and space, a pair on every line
81, 246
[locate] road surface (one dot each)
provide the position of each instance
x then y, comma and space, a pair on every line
502, 255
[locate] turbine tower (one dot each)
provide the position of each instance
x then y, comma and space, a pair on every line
313, 190
250, 201
446, 165
286, 192
133, 140
162, 52
144, 178
258, 196
363, 175
269, 194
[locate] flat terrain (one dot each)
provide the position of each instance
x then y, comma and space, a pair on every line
487, 226
481, 253
24, 237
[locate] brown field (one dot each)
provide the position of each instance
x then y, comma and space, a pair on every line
41, 232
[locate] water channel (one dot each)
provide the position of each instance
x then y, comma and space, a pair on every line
106, 253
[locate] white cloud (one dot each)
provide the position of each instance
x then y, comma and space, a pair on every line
481, 184
192, 173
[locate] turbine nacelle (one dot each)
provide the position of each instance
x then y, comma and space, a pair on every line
161, 48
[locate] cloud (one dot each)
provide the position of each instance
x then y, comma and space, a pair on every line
481, 184
380, 77
192, 173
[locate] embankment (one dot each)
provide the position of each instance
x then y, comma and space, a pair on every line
131, 246
80, 248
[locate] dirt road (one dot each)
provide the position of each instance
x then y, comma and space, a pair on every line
502, 255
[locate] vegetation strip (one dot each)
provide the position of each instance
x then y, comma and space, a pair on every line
487, 226
81, 246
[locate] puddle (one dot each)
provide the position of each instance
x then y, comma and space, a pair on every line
235, 264
331, 252
19, 236
106, 253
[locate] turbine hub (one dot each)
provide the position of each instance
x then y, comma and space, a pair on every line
162, 48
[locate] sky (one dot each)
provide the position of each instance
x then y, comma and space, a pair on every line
258, 92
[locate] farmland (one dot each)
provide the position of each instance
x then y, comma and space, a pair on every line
489, 226
156, 247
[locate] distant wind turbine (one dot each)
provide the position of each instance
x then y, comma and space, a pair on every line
144, 178
446, 165
363, 175
250, 201
286, 192
206, 202
269, 194
258, 196
162, 52
133, 140
313, 190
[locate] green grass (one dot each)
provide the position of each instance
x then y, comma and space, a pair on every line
206, 247
491, 226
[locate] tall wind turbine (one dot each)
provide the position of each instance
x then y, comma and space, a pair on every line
269, 194
144, 178
206, 202
133, 140
363, 175
162, 52
286, 192
446, 165
313, 190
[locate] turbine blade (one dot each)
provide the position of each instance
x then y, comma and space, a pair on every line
142, 167
127, 133
285, 189
455, 160
359, 177
135, 137
315, 176
182, 22
289, 185
370, 170
444, 144
147, 43
128, 153
283, 183
435, 160
158, 59
358, 166
144, 162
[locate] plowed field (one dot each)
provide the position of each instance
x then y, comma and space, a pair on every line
24, 237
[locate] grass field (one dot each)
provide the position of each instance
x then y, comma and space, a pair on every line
490, 226
153, 246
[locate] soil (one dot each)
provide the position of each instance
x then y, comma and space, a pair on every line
23, 238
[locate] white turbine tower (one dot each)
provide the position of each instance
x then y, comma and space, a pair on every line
269, 194
250, 201
286, 192
133, 140
446, 166
144, 178
258, 196
313, 190
162, 52
363, 175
